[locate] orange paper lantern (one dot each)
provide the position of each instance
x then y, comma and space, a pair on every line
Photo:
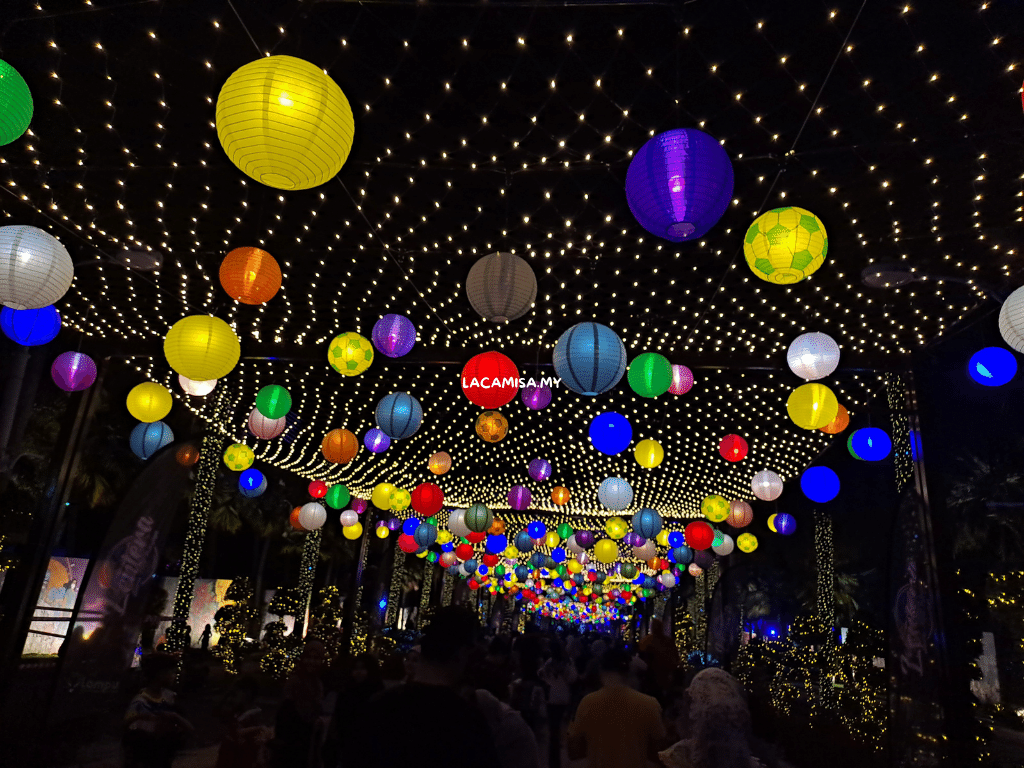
293, 518
497, 527
839, 423
560, 495
340, 446
187, 455
250, 275
440, 463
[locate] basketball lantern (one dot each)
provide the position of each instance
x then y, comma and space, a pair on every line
266, 429
490, 380
785, 245
491, 426
427, 499
733, 448
339, 446
250, 275
349, 353
740, 514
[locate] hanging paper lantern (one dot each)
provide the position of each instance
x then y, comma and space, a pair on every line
339, 446
490, 380
813, 356
337, 497
560, 495
1011, 320
519, 497
650, 374
425, 535
284, 122
491, 426
740, 514
394, 335
399, 415
359, 506
539, 470
73, 371
666, 538
427, 499
785, 245
238, 457
252, 483
869, 444
273, 401
349, 353
501, 287
699, 535
839, 423
30, 327
381, 496
478, 518
615, 493
266, 429
766, 485
35, 269
606, 551
747, 542
616, 528
440, 463
293, 519
381, 531
812, 406
250, 275
376, 441
649, 453
312, 516
819, 484
724, 547
149, 401
715, 508
667, 579
524, 542
317, 489
202, 347
354, 531
785, 524
992, 366
187, 455
147, 439
399, 499
679, 184
645, 551
589, 358
682, 554
610, 433
536, 397
771, 523
733, 448
682, 380
196, 388
15, 104
647, 523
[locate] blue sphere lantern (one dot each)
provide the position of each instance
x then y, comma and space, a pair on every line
30, 327
252, 483
149, 437
676, 539
819, 484
536, 530
611, 433
410, 525
524, 541
399, 415
679, 184
869, 444
785, 524
993, 366
589, 358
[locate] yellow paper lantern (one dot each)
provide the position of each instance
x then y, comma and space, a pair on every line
381, 496
443, 537
747, 542
662, 537
238, 457
511, 553
606, 551
349, 353
399, 499
812, 406
353, 532
381, 531
284, 122
202, 347
616, 528
551, 539
715, 508
149, 401
771, 524
574, 566
785, 245
649, 453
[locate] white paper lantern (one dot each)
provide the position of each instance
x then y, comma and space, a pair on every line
457, 523
726, 547
615, 493
1011, 320
813, 356
667, 579
766, 485
573, 546
645, 552
312, 516
35, 269
448, 559
264, 428
196, 388
349, 517
583, 558
501, 287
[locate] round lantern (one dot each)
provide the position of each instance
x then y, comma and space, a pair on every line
699, 535
519, 497
647, 523
266, 429
399, 415
606, 551
524, 542
427, 499
381, 531
813, 356
359, 505
681, 555
16, 99
771, 523
425, 535
650, 374
589, 358
733, 448
339, 446
839, 423
667, 579
238, 457
73, 371
649, 453
354, 531
501, 287
694, 570
149, 401
491, 426
615, 493
1011, 320
30, 327
992, 366
812, 406
202, 347
740, 514
349, 353
196, 388
869, 444
381, 496
539, 470
478, 518
615, 527
440, 463
147, 439
187, 455
560, 495
376, 441
766, 485
317, 489
284, 122
490, 380
715, 508
610, 433
682, 380
785, 245
312, 516
679, 184
293, 519
394, 335
785, 524
747, 542
724, 547
819, 484
250, 275
35, 269
337, 497
252, 483
273, 401
536, 397
399, 499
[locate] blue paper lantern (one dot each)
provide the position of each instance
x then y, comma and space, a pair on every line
522, 572
679, 184
647, 523
399, 415
496, 543
558, 555
148, 438
536, 529
993, 366
819, 484
676, 539
682, 555
870, 444
589, 358
610, 433
394, 335
524, 543
785, 524
538, 559
252, 483
30, 327
409, 526
376, 441
425, 534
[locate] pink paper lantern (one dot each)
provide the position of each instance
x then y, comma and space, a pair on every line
73, 371
264, 428
682, 380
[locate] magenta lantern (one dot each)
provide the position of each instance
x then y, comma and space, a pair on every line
73, 371
358, 506
536, 396
540, 470
519, 497
264, 428
682, 380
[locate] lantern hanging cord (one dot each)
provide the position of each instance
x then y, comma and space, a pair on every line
240, 21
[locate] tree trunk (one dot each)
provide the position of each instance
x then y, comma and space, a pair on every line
258, 581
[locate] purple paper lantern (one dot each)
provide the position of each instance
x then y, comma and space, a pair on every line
585, 539
73, 371
536, 396
634, 539
394, 524
358, 505
682, 380
394, 335
703, 558
519, 497
376, 441
540, 470
679, 184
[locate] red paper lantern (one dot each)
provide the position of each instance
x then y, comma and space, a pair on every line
407, 543
733, 448
473, 584
476, 538
427, 499
464, 552
490, 380
699, 535
318, 489
490, 560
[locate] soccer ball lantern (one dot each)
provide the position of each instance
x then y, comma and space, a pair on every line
785, 245
491, 426
238, 457
349, 353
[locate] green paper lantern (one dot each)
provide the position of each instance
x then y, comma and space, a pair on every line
478, 518
628, 571
650, 374
564, 531
273, 401
15, 104
337, 496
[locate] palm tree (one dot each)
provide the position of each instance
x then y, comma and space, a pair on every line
976, 503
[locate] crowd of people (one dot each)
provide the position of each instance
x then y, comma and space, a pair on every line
525, 700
